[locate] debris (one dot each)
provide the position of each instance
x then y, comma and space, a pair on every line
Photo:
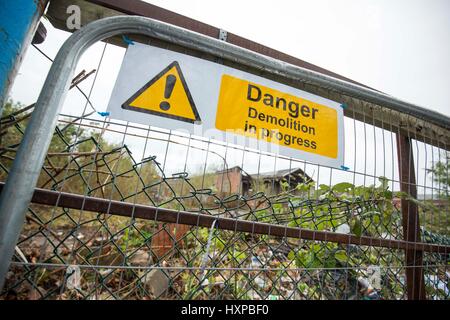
364, 283
102, 296
156, 281
141, 258
373, 295
285, 280
219, 281
40, 242
260, 282
254, 295
255, 262
80, 235
204, 283
36, 293
21, 255
437, 284
106, 255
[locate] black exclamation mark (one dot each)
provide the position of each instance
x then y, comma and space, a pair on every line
170, 84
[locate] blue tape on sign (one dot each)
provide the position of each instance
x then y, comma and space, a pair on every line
345, 168
344, 106
127, 40
103, 114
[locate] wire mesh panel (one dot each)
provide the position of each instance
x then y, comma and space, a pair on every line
126, 211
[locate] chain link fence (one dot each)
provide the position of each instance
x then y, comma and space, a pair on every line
125, 211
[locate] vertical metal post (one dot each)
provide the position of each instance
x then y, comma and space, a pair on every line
18, 22
410, 220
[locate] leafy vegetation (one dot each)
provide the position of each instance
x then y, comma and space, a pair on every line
218, 263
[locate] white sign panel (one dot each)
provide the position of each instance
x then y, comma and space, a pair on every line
171, 90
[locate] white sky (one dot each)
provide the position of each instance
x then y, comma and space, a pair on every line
399, 47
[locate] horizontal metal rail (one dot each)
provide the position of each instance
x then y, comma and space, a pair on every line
127, 209
24, 173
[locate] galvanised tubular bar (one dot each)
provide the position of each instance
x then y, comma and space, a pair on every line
29, 159
415, 281
125, 209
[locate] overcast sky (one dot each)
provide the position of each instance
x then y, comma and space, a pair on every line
399, 47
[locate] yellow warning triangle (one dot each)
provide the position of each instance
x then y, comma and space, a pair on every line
166, 95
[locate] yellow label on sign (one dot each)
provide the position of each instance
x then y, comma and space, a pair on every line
271, 115
165, 95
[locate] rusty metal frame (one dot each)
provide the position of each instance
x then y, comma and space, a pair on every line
127, 209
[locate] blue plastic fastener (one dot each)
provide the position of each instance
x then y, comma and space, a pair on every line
103, 114
344, 106
127, 40
345, 168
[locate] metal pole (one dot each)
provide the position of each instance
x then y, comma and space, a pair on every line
25, 170
415, 282
18, 22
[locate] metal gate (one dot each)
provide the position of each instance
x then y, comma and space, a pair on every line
125, 211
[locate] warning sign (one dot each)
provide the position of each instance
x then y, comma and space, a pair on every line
267, 114
165, 95
176, 91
